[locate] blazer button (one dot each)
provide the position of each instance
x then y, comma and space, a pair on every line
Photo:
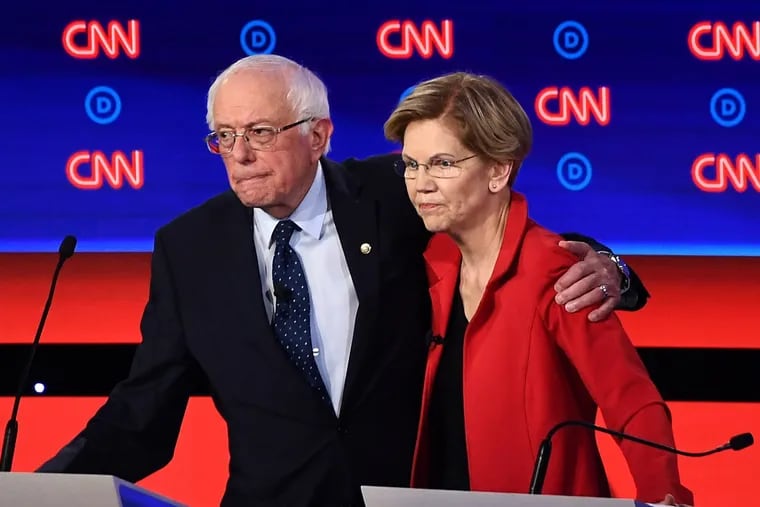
342, 430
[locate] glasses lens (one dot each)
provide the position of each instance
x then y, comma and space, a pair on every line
260, 137
212, 141
444, 168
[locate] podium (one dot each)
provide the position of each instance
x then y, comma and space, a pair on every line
68, 490
375, 496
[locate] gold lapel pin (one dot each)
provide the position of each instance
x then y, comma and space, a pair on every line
365, 248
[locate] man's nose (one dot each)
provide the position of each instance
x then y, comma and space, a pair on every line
241, 152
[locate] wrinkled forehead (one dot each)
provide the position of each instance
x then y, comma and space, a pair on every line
249, 97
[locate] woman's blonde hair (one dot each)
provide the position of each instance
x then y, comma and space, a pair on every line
488, 119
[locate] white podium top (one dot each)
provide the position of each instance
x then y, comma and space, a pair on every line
407, 497
67, 490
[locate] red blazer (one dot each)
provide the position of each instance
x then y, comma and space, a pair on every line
529, 364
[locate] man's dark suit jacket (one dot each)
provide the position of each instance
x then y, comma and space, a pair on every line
205, 327
205, 322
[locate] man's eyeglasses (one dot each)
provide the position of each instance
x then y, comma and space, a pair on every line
436, 167
258, 137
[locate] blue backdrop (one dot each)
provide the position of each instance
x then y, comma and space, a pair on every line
633, 183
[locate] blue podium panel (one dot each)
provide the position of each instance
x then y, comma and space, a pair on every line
131, 496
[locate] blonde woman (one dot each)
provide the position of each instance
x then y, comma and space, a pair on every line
511, 362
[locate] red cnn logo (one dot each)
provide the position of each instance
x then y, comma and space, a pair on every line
712, 41
110, 40
581, 107
113, 171
424, 40
739, 172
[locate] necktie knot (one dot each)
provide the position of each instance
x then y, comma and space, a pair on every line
283, 231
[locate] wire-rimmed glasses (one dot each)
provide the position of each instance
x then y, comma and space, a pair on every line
258, 137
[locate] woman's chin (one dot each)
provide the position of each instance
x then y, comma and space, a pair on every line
434, 224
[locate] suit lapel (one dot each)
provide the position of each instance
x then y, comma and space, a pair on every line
356, 221
238, 268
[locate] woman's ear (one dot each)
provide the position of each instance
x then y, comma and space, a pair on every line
500, 176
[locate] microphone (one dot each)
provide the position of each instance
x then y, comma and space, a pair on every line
431, 339
65, 251
737, 443
281, 292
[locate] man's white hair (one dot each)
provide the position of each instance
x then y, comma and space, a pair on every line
306, 93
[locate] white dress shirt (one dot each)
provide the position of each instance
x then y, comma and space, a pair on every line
331, 290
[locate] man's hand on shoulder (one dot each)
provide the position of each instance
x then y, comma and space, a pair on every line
594, 280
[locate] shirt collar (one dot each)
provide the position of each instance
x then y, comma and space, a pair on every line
309, 215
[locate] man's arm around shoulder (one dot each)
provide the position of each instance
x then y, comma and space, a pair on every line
633, 293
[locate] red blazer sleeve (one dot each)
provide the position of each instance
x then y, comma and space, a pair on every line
617, 380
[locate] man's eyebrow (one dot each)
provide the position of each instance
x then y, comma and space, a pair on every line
262, 121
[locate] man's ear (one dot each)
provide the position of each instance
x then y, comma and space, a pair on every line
320, 135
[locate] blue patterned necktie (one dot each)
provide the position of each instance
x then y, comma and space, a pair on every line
292, 316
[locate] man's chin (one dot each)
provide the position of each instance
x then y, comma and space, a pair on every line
253, 199
251, 192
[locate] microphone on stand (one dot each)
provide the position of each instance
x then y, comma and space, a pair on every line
65, 251
432, 340
737, 443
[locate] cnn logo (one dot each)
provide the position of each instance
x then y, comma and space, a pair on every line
426, 40
558, 106
113, 171
713, 41
712, 172
87, 39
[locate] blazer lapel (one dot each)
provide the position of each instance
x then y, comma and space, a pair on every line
237, 267
443, 259
356, 221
